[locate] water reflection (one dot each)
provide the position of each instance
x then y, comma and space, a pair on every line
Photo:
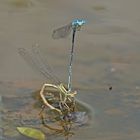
24, 111
107, 55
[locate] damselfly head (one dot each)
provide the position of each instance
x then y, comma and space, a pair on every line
77, 23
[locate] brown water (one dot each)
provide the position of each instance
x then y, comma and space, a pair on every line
107, 55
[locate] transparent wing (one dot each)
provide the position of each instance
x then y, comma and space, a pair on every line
35, 59
62, 32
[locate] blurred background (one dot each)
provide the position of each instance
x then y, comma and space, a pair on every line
106, 62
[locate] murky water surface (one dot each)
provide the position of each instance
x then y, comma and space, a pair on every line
105, 73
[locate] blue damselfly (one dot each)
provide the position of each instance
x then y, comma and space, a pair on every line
63, 32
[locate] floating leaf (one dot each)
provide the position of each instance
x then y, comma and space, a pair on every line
31, 132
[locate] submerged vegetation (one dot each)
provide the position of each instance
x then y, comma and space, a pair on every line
60, 113
20, 3
99, 8
59, 107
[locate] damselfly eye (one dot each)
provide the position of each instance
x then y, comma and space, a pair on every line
78, 22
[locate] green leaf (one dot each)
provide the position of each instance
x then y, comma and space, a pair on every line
31, 132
